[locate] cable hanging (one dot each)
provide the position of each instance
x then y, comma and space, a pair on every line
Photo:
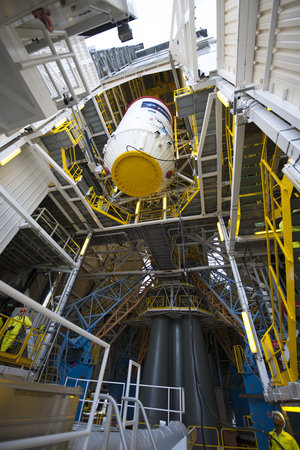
153, 157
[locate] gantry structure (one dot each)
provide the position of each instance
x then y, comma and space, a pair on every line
220, 242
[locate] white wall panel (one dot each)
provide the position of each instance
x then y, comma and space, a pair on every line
262, 36
284, 71
227, 26
23, 179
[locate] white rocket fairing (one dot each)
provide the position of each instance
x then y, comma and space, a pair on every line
139, 154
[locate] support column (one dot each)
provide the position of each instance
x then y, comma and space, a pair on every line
239, 136
62, 303
177, 363
156, 370
199, 392
260, 362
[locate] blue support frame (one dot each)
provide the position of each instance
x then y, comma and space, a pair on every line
76, 352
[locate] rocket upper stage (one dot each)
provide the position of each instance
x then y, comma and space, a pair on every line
140, 154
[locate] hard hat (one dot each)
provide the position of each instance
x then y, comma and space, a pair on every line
23, 309
280, 416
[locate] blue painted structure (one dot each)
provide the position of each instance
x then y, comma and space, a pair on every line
75, 358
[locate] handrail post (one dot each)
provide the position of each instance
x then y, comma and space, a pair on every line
136, 400
118, 419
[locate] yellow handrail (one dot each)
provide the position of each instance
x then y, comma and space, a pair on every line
72, 168
210, 433
104, 113
103, 206
22, 351
233, 433
72, 130
276, 346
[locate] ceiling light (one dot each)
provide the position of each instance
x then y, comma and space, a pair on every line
124, 32
220, 232
84, 246
291, 408
249, 332
5, 159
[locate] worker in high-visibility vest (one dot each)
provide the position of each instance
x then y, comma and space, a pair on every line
282, 439
13, 328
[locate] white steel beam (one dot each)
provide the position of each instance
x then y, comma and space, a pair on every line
239, 135
210, 99
63, 211
59, 63
261, 366
279, 131
219, 153
60, 188
69, 180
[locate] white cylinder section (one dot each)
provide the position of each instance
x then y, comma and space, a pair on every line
140, 154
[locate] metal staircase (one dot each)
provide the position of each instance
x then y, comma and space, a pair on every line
158, 244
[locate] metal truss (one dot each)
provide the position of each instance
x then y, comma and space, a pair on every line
219, 292
122, 311
87, 312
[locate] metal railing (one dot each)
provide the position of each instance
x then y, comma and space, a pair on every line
105, 112
277, 343
225, 438
195, 437
239, 438
101, 412
19, 347
229, 132
70, 164
241, 360
56, 231
59, 437
103, 206
71, 128
180, 302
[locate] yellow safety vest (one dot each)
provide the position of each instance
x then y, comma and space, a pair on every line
285, 439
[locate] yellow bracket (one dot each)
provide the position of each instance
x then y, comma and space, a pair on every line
108, 209
72, 131
72, 169
186, 198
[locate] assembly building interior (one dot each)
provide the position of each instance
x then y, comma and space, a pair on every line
149, 227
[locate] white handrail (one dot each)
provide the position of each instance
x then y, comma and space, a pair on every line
139, 403
180, 390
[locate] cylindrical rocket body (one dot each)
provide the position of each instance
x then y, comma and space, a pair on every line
140, 154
